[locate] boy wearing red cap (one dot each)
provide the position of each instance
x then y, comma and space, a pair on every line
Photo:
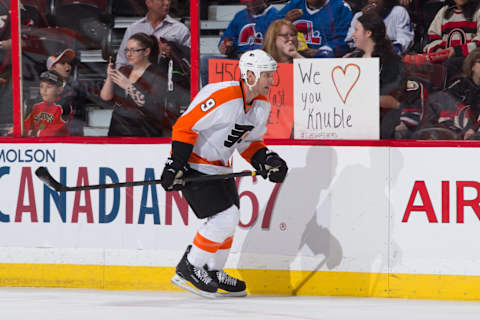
75, 95
46, 116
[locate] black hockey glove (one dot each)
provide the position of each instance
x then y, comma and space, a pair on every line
172, 176
173, 173
269, 165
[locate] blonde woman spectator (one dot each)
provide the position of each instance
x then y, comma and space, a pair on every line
281, 41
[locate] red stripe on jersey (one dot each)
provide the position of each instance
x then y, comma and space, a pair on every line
464, 25
195, 158
447, 114
411, 110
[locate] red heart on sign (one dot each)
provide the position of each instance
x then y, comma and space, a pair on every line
344, 79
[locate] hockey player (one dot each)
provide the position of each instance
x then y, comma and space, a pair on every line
222, 117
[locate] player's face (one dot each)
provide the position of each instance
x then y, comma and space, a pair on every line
264, 82
286, 42
48, 91
135, 52
158, 7
361, 36
63, 68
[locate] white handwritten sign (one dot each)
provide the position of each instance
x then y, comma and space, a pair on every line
336, 98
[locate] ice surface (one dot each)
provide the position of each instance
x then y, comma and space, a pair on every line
79, 304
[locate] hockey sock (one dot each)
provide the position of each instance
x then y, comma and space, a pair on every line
202, 250
220, 258
211, 236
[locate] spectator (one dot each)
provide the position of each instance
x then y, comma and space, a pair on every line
371, 41
174, 53
136, 90
456, 109
421, 14
247, 29
453, 34
323, 22
281, 41
455, 28
245, 32
397, 23
47, 117
157, 22
75, 95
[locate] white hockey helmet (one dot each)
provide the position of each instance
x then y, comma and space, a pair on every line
256, 61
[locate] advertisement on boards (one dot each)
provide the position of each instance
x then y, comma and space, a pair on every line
297, 225
435, 210
342, 208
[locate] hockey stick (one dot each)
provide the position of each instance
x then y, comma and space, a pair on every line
43, 174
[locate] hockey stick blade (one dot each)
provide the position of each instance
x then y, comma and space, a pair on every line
43, 174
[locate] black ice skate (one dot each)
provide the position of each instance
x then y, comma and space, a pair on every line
228, 286
193, 279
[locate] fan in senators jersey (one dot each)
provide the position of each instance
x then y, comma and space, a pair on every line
222, 118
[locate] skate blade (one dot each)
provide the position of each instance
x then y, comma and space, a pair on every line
226, 294
182, 283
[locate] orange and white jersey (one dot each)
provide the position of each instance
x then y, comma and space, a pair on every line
217, 122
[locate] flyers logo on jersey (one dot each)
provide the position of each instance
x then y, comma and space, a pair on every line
238, 133
306, 27
249, 36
